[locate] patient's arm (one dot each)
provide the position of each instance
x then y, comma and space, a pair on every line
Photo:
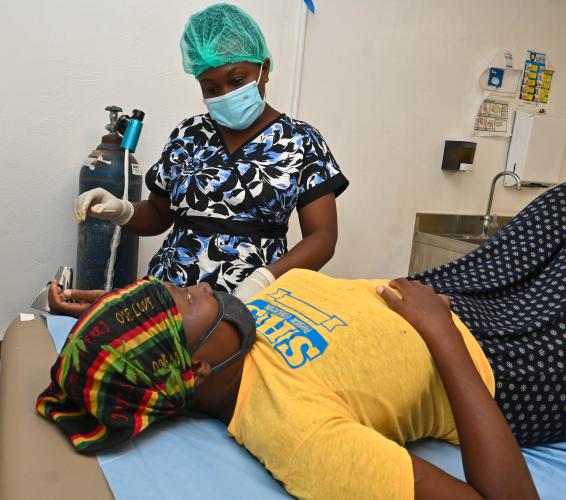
59, 300
493, 463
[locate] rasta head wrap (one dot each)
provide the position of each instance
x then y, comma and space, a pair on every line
124, 366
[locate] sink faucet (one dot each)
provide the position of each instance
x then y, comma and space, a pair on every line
490, 221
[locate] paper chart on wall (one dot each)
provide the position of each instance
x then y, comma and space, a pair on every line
502, 84
501, 78
537, 79
507, 88
493, 115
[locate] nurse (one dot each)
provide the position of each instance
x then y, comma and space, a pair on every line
227, 181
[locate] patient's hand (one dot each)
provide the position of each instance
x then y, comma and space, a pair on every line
427, 311
59, 300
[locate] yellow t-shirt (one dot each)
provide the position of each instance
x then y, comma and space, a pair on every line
334, 387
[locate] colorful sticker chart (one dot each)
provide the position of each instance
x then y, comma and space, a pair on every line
537, 79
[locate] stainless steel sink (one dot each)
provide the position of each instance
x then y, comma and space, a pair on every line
455, 226
474, 240
441, 238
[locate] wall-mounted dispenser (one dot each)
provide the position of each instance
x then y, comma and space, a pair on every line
458, 155
537, 148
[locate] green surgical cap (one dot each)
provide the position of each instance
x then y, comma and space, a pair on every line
221, 34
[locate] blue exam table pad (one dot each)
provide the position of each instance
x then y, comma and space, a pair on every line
184, 458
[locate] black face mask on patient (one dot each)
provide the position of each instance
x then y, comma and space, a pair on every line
232, 310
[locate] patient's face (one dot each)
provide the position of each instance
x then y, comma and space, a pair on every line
198, 308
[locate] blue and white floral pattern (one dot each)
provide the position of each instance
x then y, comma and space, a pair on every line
286, 166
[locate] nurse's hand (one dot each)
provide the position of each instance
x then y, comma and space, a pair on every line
82, 300
103, 205
254, 284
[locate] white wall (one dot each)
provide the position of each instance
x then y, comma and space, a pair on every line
63, 62
384, 81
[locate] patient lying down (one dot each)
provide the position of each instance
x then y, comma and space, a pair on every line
342, 374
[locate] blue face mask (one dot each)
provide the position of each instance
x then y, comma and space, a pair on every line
238, 109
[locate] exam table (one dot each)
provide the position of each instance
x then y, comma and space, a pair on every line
180, 458
35, 461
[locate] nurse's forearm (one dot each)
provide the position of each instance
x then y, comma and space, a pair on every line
312, 252
319, 227
151, 216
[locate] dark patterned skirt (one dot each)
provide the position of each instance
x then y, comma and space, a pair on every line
511, 293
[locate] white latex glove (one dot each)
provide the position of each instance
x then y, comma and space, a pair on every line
254, 284
103, 205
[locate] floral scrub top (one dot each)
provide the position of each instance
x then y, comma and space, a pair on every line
231, 210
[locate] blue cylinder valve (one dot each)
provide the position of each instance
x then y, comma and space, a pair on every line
133, 127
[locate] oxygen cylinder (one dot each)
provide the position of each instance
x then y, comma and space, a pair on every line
104, 168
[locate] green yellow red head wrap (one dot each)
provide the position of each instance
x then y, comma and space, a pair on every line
124, 366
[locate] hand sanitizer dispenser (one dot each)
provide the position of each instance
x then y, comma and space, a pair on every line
537, 148
458, 155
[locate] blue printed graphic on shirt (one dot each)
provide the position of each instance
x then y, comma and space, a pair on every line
293, 326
